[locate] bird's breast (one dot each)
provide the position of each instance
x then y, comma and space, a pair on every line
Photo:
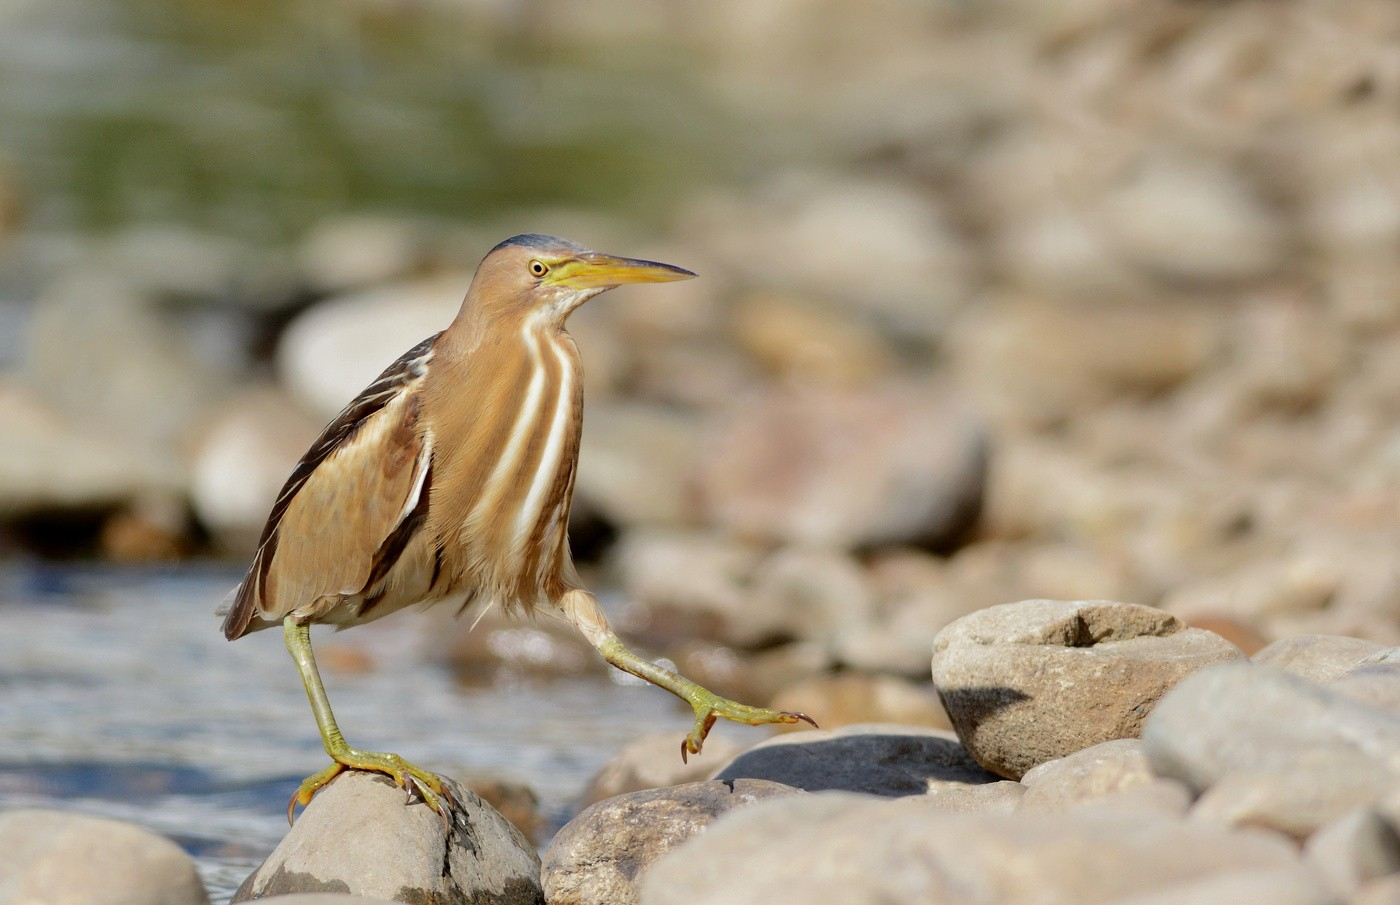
505, 447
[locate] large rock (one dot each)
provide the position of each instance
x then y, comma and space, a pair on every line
1240, 716
1028, 682
846, 469
1299, 799
650, 762
1321, 658
601, 856
838, 847
359, 836
57, 858
884, 760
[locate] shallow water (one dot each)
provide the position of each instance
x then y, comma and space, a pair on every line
120, 697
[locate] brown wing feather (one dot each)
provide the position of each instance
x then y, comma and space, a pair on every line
348, 491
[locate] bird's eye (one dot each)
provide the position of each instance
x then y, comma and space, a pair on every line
539, 268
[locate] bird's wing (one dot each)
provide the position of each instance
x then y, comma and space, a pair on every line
346, 511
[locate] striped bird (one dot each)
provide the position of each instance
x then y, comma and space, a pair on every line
448, 481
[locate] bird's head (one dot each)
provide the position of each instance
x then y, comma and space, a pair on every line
550, 277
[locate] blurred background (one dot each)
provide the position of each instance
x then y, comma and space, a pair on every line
998, 300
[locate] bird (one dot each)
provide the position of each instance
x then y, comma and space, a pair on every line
447, 482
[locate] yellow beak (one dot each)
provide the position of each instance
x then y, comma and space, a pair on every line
599, 271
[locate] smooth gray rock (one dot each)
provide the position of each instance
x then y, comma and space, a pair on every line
1321, 658
1241, 716
1027, 682
1094, 772
359, 836
860, 850
1375, 681
876, 759
1297, 799
601, 856
1279, 886
58, 858
1353, 850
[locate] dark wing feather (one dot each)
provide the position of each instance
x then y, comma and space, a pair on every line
408, 368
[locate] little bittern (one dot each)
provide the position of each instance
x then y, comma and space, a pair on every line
448, 481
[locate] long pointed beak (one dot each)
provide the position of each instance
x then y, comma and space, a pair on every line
599, 271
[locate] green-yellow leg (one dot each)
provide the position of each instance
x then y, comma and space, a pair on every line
582, 609
343, 757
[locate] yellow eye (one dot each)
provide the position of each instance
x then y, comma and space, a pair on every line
539, 268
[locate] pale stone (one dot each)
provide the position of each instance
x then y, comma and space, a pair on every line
652, 762
1029, 682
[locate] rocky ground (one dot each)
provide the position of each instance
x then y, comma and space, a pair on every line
1118, 756
1060, 301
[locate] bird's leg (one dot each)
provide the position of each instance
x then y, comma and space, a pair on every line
583, 611
429, 785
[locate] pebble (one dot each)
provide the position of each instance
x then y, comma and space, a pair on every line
879, 759
1094, 772
60, 858
1373, 682
845, 469
1354, 849
602, 856
842, 847
1296, 799
1028, 682
358, 835
1320, 658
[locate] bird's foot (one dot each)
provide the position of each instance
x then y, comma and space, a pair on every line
406, 776
710, 707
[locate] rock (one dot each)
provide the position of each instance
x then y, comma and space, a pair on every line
1028, 682
1001, 797
1155, 799
851, 698
602, 856
1031, 362
785, 466
797, 339
48, 463
1238, 632
241, 460
635, 464
101, 354
359, 836
1297, 799
1279, 886
1093, 772
1372, 682
695, 579
480, 652
838, 847
1188, 218
323, 898
351, 252
1321, 658
1356, 848
1385, 891
1242, 716
717, 588
883, 760
332, 351
73, 859
650, 762
515, 801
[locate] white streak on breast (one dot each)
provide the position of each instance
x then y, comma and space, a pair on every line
509, 463
548, 471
